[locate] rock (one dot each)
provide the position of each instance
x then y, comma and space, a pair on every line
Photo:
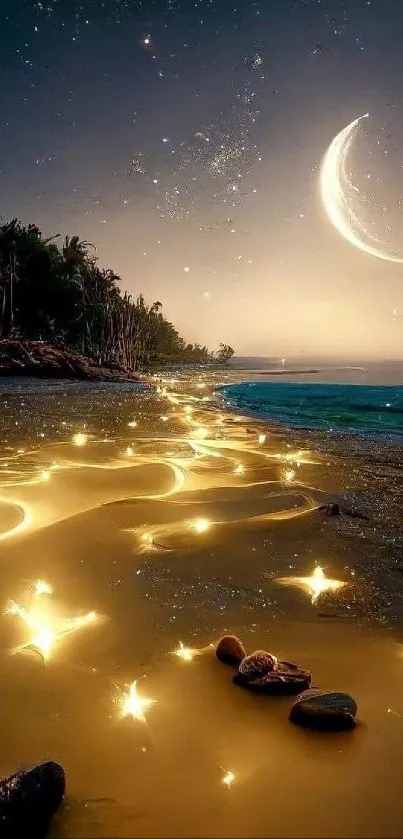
230, 650
29, 799
43, 360
354, 514
257, 664
332, 509
324, 709
264, 673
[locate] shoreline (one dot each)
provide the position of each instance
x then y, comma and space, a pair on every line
224, 394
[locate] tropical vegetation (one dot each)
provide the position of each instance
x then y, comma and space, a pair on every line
54, 290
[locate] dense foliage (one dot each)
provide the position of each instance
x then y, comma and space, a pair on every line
61, 295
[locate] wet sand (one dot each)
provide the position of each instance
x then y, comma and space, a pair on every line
110, 525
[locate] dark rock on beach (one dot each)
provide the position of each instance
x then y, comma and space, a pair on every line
264, 673
331, 509
334, 509
324, 710
43, 360
230, 650
29, 799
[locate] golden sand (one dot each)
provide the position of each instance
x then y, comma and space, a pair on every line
169, 533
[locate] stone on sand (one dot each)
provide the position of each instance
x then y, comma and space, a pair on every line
230, 650
325, 710
264, 673
29, 799
332, 509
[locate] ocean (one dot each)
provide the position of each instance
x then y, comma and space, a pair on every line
318, 405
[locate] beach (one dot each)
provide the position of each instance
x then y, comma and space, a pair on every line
172, 519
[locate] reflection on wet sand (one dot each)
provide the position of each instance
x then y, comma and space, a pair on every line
179, 527
39, 484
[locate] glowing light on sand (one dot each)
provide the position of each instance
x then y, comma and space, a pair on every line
45, 629
289, 476
84, 621
134, 705
46, 475
228, 778
129, 451
40, 587
338, 195
239, 469
395, 713
164, 418
80, 439
185, 653
201, 525
43, 641
200, 432
293, 457
316, 584
132, 424
148, 541
188, 409
262, 439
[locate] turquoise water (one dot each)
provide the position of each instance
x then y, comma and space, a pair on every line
364, 408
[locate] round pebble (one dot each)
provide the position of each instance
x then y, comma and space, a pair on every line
230, 650
324, 709
264, 673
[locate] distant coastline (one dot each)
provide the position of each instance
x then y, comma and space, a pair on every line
306, 372
23, 358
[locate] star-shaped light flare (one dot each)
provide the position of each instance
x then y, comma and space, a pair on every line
186, 653
45, 628
316, 584
134, 705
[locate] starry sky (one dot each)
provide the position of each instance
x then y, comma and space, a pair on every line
184, 139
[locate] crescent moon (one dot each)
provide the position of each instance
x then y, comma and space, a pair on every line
337, 193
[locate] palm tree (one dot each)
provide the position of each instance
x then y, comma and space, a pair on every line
62, 295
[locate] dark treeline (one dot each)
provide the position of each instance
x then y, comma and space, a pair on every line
58, 293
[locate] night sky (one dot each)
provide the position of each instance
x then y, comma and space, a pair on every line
184, 139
